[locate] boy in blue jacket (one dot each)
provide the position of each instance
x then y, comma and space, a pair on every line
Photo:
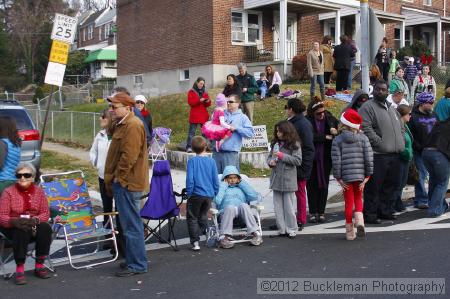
233, 201
202, 184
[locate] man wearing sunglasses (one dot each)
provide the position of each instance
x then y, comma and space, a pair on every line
126, 177
241, 127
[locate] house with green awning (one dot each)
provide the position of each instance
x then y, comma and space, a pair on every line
103, 63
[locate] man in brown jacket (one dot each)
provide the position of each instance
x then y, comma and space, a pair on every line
126, 177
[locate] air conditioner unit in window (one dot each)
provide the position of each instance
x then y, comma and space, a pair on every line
238, 36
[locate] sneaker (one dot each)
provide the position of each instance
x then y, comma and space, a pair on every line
195, 246
312, 219
256, 240
291, 235
225, 243
322, 218
300, 226
128, 273
19, 278
41, 273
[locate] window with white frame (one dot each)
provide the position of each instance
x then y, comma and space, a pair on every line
184, 75
90, 32
84, 34
107, 30
427, 2
138, 79
246, 27
100, 33
408, 37
110, 64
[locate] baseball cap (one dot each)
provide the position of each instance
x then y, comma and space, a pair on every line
140, 98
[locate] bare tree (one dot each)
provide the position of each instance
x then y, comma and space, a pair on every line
30, 23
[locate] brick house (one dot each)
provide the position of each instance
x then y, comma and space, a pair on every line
96, 35
165, 45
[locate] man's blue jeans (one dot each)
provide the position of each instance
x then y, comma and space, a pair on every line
421, 195
224, 159
128, 205
438, 166
321, 82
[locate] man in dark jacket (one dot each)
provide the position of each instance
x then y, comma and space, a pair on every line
294, 110
249, 87
383, 127
421, 122
343, 54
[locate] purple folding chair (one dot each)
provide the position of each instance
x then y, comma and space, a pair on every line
161, 204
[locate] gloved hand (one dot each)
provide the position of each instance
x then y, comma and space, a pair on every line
280, 155
22, 223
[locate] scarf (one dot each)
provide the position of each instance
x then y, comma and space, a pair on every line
144, 112
26, 195
200, 92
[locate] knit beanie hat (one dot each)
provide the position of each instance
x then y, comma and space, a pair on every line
351, 118
425, 98
221, 100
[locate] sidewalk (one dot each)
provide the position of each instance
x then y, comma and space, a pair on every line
261, 184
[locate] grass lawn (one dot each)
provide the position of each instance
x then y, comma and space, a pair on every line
172, 111
57, 162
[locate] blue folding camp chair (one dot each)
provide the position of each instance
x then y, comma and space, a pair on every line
69, 200
161, 204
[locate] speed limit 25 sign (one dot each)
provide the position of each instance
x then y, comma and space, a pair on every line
64, 28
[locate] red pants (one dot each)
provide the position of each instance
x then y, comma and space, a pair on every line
352, 196
301, 201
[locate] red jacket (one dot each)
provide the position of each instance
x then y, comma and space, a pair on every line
12, 204
198, 113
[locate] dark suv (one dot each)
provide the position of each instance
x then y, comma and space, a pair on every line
30, 151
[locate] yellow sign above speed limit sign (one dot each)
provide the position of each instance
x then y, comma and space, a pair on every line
64, 28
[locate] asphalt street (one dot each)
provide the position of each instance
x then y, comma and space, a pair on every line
387, 252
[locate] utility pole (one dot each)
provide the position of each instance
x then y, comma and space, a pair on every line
365, 60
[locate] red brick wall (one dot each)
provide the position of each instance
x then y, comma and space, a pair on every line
163, 34
224, 52
309, 30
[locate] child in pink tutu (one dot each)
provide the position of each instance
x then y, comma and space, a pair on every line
217, 129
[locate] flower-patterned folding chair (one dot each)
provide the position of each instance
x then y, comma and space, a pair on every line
71, 206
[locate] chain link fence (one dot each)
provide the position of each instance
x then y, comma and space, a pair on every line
68, 126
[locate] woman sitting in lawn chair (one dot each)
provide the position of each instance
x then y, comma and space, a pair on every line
232, 201
24, 213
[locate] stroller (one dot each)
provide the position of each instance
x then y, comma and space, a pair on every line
157, 148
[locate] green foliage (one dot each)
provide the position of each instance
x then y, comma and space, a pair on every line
417, 48
10, 80
76, 65
38, 95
